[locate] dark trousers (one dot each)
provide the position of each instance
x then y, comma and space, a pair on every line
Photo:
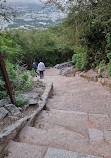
41, 73
36, 72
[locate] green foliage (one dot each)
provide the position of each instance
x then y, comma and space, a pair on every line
21, 101
101, 64
10, 50
80, 61
18, 77
109, 69
99, 75
32, 73
46, 46
87, 25
109, 56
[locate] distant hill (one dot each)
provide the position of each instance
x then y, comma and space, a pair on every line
34, 15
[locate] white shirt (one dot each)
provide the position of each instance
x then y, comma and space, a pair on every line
41, 66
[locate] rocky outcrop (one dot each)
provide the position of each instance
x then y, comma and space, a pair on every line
60, 66
105, 82
90, 75
3, 113
94, 77
4, 102
6, 108
13, 110
68, 71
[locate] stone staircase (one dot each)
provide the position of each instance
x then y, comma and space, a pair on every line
60, 134
78, 124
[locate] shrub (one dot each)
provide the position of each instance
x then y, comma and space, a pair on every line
80, 61
109, 68
109, 56
21, 101
18, 77
101, 64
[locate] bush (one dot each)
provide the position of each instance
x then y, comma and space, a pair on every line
109, 68
80, 61
101, 64
19, 78
20, 101
109, 56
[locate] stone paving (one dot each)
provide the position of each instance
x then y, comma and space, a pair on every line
77, 124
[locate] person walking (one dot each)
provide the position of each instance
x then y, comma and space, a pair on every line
35, 68
41, 68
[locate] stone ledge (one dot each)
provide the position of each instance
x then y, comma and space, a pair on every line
42, 103
105, 82
93, 77
11, 132
89, 77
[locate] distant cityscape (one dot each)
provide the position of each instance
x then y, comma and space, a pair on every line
34, 16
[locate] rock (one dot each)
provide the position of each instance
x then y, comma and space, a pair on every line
20, 108
60, 66
29, 95
68, 71
90, 75
4, 102
25, 107
57, 66
13, 110
102, 71
3, 113
13, 118
32, 101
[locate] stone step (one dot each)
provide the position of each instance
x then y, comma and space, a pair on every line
58, 153
65, 139
73, 120
23, 150
70, 120
100, 105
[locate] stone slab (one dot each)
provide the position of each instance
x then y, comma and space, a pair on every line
74, 121
58, 153
3, 113
22, 150
4, 102
13, 110
29, 95
95, 135
99, 121
32, 101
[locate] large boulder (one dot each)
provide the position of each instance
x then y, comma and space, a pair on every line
3, 113
68, 71
13, 110
60, 66
102, 71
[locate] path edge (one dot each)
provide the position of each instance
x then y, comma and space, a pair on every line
11, 132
